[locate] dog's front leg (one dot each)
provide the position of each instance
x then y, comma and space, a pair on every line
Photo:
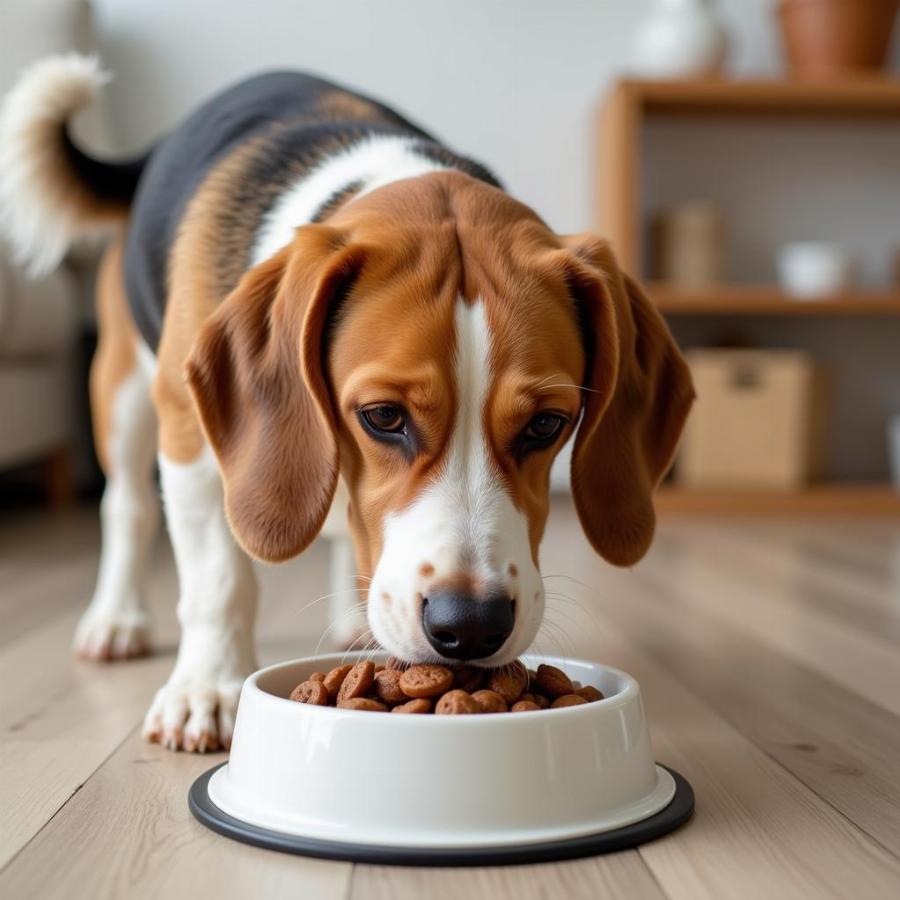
195, 709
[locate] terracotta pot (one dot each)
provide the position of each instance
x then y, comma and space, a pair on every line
825, 37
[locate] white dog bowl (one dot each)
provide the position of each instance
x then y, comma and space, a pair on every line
487, 788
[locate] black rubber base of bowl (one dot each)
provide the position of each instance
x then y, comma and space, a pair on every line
676, 813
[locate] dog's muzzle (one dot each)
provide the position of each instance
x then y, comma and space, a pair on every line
463, 627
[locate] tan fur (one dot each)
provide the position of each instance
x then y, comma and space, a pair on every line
200, 275
116, 354
340, 105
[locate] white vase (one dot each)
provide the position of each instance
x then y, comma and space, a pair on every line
678, 38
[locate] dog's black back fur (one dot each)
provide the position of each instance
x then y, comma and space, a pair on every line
300, 117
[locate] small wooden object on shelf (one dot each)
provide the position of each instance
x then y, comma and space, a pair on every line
619, 206
769, 300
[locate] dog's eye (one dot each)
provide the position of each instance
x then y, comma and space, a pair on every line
544, 427
384, 418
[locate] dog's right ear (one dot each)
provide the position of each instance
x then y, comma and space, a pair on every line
256, 374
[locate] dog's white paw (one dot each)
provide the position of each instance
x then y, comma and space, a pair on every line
111, 636
195, 712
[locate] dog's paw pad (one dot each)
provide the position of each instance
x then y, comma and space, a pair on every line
102, 638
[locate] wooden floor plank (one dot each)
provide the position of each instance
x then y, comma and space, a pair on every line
39, 558
619, 875
861, 661
814, 576
128, 833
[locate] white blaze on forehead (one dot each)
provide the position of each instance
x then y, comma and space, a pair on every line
453, 519
469, 475
463, 523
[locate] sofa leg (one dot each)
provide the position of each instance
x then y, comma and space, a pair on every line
59, 484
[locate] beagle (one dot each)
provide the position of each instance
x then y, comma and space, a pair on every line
306, 287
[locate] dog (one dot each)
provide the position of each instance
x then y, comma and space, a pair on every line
303, 288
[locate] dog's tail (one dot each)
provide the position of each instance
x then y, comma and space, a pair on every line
51, 193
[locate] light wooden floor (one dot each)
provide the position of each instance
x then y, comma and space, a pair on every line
768, 654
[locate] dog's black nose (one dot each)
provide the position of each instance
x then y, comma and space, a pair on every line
463, 627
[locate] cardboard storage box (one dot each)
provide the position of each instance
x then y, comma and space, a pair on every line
758, 421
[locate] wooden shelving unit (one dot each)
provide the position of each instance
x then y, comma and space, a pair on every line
622, 120
842, 499
766, 300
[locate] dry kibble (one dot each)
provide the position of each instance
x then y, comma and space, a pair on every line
553, 681
567, 700
425, 680
418, 706
358, 681
334, 679
387, 687
366, 703
312, 692
455, 703
490, 701
509, 681
468, 678
421, 689
589, 693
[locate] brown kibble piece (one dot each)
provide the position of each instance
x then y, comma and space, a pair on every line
455, 703
358, 681
312, 692
567, 700
387, 687
418, 706
490, 701
509, 681
366, 703
419, 688
468, 678
425, 680
553, 681
589, 693
334, 679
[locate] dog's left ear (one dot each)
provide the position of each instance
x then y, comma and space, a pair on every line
256, 372
639, 392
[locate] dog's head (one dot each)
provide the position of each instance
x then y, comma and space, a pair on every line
436, 344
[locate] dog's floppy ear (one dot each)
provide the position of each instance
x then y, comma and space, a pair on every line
256, 375
639, 392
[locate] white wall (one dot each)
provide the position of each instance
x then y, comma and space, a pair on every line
512, 82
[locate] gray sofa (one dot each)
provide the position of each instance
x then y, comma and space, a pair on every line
40, 320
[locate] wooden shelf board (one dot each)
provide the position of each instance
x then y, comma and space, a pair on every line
861, 97
739, 299
835, 499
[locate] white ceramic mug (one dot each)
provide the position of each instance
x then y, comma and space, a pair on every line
814, 268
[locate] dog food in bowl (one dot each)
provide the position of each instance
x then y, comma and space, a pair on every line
461, 690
